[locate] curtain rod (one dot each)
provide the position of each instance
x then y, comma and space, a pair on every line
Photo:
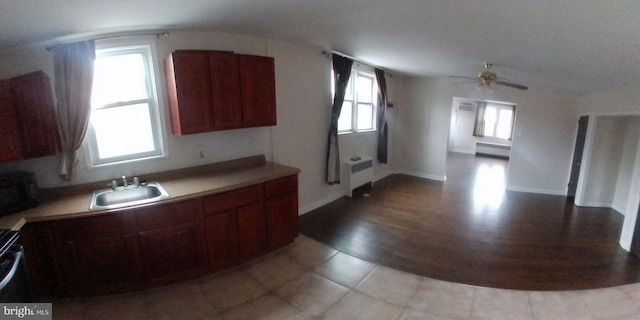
111, 35
328, 54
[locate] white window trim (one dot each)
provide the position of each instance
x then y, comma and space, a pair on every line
133, 44
356, 70
500, 106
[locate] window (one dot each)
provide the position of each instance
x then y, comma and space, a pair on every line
359, 109
124, 124
498, 121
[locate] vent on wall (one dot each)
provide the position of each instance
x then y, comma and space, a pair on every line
358, 173
465, 106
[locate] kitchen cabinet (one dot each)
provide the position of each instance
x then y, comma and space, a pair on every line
10, 142
160, 244
34, 105
231, 234
27, 118
172, 241
282, 211
257, 77
219, 90
98, 255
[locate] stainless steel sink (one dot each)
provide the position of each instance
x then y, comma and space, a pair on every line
127, 196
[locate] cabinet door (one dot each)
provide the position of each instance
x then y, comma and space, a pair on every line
102, 265
99, 254
41, 251
171, 240
10, 137
34, 104
282, 220
253, 230
258, 86
225, 88
189, 90
223, 245
172, 253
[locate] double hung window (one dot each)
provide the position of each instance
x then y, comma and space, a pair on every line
358, 112
124, 123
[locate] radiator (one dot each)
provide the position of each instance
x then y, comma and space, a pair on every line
493, 149
358, 173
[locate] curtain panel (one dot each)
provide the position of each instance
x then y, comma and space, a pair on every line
478, 126
341, 72
73, 74
513, 123
383, 130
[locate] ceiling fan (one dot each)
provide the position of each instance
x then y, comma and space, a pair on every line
489, 79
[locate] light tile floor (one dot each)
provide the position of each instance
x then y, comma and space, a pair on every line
308, 280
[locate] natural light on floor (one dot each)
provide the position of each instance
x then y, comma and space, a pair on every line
488, 188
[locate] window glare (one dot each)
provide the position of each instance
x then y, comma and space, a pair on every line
345, 120
365, 117
119, 78
504, 123
115, 126
490, 121
365, 86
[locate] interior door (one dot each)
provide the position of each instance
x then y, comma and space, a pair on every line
577, 157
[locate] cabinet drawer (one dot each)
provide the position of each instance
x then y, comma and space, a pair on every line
280, 187
232, 199
168, 214
96, 227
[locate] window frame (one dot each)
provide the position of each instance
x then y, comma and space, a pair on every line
356, 72
498, 107
147, 50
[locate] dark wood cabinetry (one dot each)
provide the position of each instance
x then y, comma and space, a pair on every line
282, 211
160, 244
172, 241
10, 141
257, 77
219, 90
98, 254
27, 118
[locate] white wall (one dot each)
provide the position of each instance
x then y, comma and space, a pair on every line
630, 140
544, 133
299, 139
622, 102
605, 154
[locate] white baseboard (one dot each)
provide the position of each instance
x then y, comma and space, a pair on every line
536, 190
317, 204
594, 204
465, 151
424, 175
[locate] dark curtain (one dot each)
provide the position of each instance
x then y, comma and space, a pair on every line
73, 71
478, 126
341, 73
383, 130
513, 122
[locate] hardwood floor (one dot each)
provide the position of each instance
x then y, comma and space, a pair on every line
468, 230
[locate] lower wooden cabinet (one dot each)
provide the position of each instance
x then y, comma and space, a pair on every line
282, 211
171, 238
162, 244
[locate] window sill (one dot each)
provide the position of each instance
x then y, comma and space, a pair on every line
356, 132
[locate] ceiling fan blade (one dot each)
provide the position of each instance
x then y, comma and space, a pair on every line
459, 77
512, 85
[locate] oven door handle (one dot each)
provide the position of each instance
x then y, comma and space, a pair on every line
16, 261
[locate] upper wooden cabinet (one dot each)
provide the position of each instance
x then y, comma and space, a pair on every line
219, 90
27, 118
10, 143
257, 78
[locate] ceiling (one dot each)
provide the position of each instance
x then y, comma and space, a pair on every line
577, 47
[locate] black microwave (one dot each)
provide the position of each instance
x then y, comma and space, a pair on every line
18, 192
